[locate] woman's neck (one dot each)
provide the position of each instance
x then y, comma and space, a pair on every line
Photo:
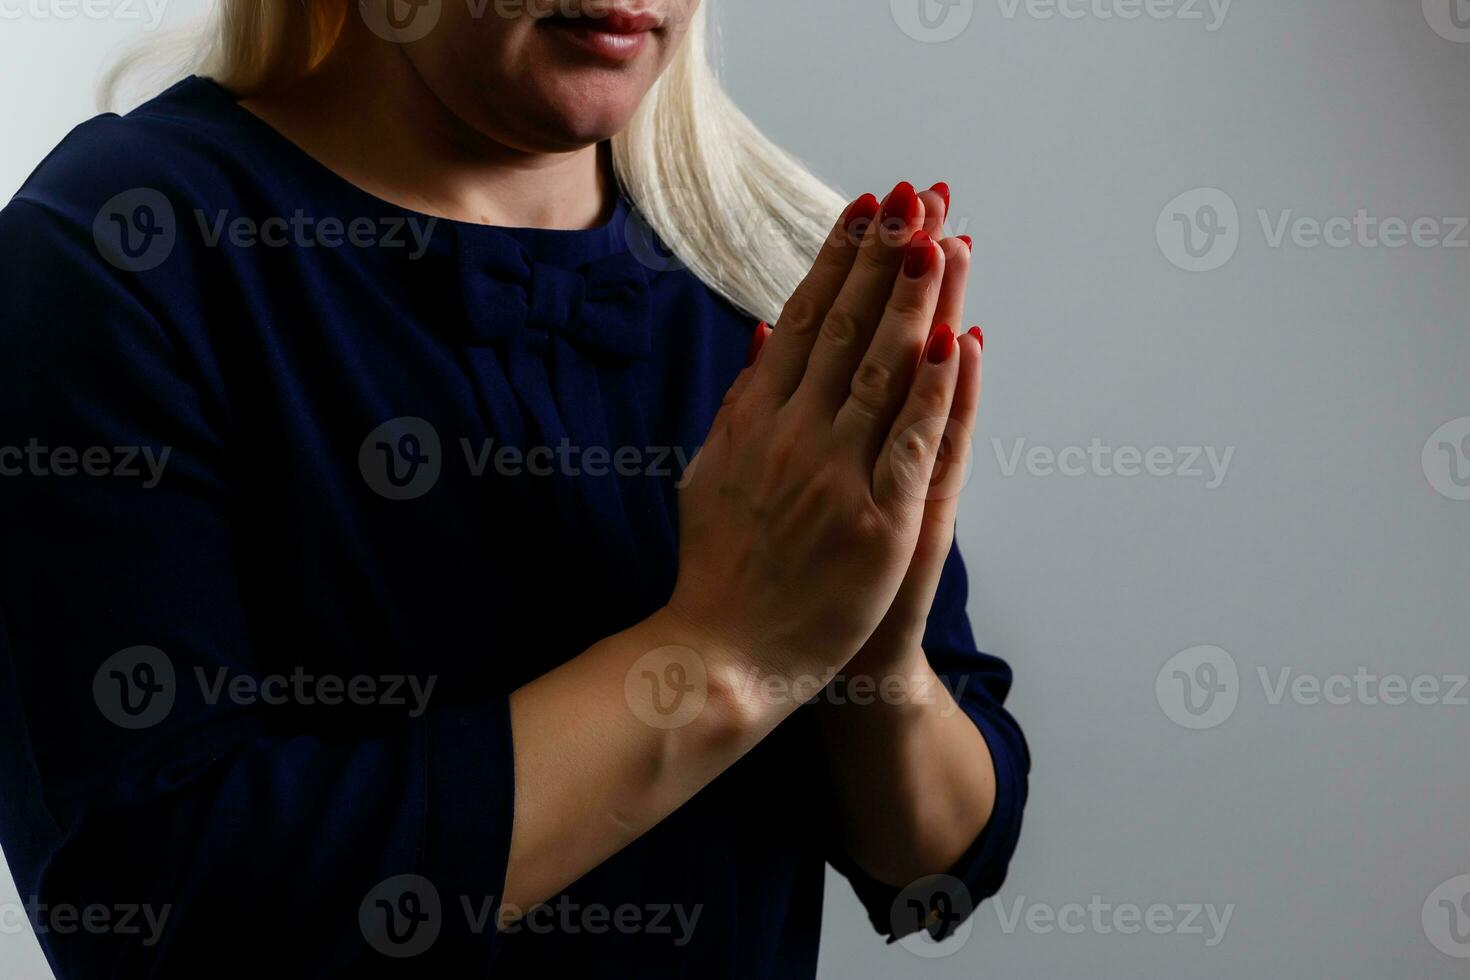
393, 138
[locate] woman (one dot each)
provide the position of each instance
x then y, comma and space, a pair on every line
416, 643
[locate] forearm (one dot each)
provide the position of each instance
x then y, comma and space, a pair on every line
912, 775
597, 765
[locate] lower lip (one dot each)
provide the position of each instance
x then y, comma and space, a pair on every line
613, 47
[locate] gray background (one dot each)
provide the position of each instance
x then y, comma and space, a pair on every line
1325, 549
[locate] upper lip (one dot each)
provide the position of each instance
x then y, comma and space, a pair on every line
613, 21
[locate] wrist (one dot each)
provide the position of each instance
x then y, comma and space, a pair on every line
898, 680
729, 676
889, 649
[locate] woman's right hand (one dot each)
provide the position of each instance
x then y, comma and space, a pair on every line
801, 512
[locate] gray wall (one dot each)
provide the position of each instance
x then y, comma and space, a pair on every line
1325, 548
1336, 540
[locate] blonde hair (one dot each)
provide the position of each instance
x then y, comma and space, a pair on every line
739, 212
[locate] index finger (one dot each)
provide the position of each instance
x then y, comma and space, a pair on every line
783, 361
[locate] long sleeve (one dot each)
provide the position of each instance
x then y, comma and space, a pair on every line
980, 684
241, 834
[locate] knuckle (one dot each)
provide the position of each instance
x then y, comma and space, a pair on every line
801, 314
785, 450
786, 444
873, 384
894, 231
909, 304
931, 401
874, 260
870, 525
841, 328
741, 416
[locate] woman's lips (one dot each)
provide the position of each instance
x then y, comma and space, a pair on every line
619, 22
614, 36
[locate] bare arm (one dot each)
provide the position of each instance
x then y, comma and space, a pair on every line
595, 766
912, 775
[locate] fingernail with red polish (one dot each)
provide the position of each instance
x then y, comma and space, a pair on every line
757, 339
902, 205
969, 242
942, 189
979, 335
941, 344
860, 214
918, 258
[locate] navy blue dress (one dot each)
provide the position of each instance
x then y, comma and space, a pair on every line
274, 451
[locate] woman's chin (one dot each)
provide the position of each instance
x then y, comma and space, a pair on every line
575, 122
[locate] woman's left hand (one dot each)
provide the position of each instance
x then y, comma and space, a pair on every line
897, 641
